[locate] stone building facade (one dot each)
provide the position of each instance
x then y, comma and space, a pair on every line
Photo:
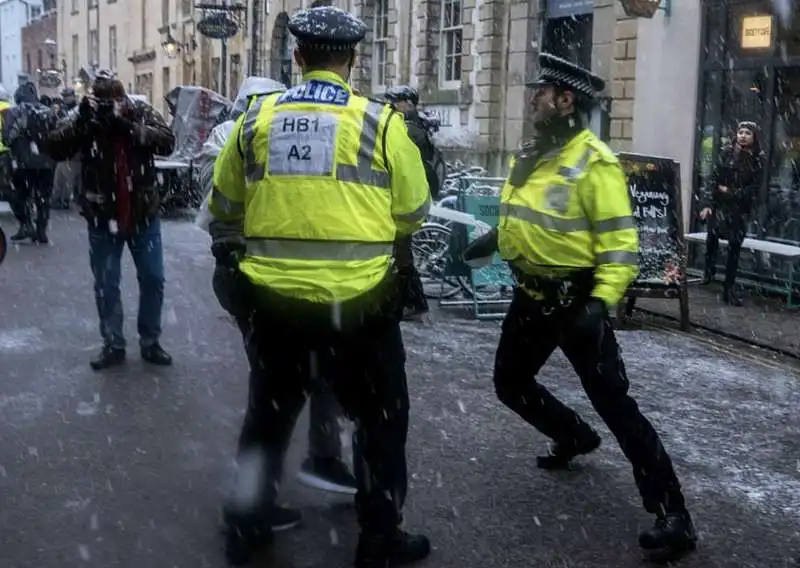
40, 51
469, 59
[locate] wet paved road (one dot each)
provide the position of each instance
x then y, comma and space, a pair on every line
125, 469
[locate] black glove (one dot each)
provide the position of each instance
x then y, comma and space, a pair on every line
483, 246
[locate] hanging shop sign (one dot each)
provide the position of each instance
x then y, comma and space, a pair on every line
756, 32
568, 8
645, 8
218, 25
49, 79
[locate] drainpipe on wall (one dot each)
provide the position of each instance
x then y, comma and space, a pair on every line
499, 158
409, 40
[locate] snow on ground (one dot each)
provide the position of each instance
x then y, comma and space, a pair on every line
124, 468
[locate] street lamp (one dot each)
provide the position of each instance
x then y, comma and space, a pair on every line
172, 47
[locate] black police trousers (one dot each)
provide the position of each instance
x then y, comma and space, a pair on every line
324, 439
32, 188
531, 332
362, 358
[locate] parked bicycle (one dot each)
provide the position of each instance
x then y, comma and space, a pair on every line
3, 245
431, 243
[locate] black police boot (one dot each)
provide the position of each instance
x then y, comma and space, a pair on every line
41, 236
25, 232
386, 551
562, 453
671, 536
156, 355
109, 357
245, 536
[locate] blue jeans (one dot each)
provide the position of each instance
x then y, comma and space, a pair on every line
105, 255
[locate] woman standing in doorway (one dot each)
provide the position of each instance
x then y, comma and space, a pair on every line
733, 187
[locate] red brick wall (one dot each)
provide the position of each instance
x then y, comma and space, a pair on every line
33, 38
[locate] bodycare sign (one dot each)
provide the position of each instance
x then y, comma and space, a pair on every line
756, 32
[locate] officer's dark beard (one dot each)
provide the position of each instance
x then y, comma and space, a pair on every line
557, 130
551, 133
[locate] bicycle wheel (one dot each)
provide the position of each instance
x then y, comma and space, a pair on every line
3, 246
430, 246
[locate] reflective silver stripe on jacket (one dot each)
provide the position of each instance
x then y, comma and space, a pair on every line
317, 250
228, 206
618, 257
544, 220
420, 213
573, 173
362, 173
253, 169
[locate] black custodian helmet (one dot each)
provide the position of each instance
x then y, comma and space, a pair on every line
402, 93
327, 28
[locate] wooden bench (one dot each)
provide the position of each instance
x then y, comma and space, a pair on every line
789, 252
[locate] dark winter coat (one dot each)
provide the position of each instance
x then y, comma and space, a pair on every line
93, 142
418, 133
25, 127
742, 176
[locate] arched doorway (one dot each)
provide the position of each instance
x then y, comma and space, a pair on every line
280, 54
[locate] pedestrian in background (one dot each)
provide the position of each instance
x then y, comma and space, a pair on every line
68, 172
116, 140
25, 130
731, 195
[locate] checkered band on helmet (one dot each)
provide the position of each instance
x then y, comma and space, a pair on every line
556, 76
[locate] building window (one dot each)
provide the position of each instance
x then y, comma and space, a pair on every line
450, 47
94, 47
112, 46
28, 63
186, 8
236, 75
165, 86
39, 60
164, 12
570, 38
75, 6
215, 74
380, 44
143, 18
144, 85
76, 55
93, 4
36, 12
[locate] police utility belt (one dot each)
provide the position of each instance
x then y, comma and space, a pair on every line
560, 291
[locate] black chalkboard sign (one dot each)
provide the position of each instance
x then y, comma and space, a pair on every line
655, 192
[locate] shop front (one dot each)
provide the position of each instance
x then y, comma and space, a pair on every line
750, 70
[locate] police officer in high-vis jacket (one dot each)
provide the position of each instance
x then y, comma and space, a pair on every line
323, 181
567, 230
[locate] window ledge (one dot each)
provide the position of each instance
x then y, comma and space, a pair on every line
74, 12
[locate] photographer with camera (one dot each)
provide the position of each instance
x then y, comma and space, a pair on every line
116, 139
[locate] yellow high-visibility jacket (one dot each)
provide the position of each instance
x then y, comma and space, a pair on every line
573, 212
3, 106
323, 181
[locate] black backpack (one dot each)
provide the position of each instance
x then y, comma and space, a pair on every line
438, 170
41, 120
